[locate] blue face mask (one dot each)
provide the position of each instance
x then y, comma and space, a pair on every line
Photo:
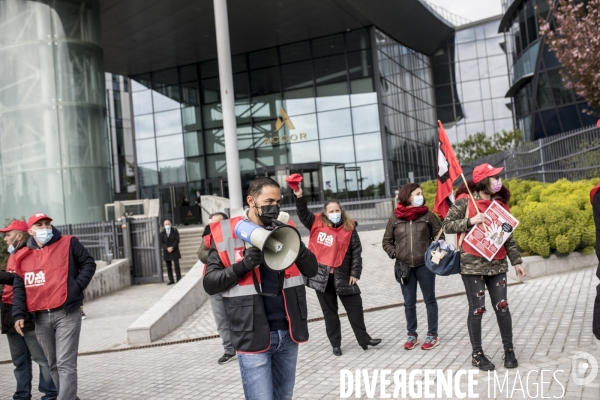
11, 249
418, 201
43, 235
335, 218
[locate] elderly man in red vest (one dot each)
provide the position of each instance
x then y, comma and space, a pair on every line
50, 279
266, 326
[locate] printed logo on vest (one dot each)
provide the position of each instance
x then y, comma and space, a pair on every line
32, 279
325, 239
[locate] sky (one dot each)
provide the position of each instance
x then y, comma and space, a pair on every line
471, 9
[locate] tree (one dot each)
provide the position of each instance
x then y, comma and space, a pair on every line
573, 37
480, 145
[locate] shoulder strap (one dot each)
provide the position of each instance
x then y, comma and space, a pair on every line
281, 276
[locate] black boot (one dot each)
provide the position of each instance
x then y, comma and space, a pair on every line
510, 361
480, 361
372, 342
337, 351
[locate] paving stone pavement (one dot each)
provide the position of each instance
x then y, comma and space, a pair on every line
551, 318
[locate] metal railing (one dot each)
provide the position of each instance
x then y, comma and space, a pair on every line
453, 19
375, 211
573, 155
136, 239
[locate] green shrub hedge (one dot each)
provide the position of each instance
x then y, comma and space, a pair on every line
553, 217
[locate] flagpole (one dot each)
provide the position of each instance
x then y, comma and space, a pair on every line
472, 198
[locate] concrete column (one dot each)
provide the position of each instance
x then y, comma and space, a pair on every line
228, 103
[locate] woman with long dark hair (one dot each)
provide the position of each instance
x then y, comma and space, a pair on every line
407, 236
476, 271
335, 243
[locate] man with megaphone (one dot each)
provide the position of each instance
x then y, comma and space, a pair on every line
263, 290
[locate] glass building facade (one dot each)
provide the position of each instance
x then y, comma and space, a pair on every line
323, 93
408, 111
543, 106
470, 74
54, 152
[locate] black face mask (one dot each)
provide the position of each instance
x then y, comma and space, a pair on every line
268, 214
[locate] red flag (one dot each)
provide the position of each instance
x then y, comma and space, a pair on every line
448, 170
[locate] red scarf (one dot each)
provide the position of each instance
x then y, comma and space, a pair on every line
593, 193
411, 213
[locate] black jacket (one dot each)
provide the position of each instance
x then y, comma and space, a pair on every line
351, 266
8, 324
170, 241
246, 315
82, 268
596, 317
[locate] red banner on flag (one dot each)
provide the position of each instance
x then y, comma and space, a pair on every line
448, 170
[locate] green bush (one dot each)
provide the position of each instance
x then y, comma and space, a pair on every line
553, 217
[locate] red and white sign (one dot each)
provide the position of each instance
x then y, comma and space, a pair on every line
500, 225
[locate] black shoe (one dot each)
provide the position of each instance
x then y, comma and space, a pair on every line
170, 283
480, 361
372, 342
510, 361
226, 358
337, 351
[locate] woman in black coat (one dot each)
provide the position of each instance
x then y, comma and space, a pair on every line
335, 243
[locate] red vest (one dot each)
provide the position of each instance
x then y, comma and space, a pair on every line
328, 244
482, 205
593, 193
7, 293
45, 273
230, 247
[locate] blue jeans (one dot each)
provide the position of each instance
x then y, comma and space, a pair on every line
270, 375
22, 350
426, 280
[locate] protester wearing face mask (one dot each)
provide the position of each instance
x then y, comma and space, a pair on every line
409, 231
169, 242
50, 279
335, 242
476, 271
268, 320
22, 348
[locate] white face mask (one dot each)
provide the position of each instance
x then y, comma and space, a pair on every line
335, 217
418, 201
168, 227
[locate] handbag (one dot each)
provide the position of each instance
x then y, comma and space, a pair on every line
443, 258
402, 272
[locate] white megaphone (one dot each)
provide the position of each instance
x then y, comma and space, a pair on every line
279, 246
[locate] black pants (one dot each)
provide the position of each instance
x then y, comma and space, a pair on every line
475, 288
353, 305
170, 270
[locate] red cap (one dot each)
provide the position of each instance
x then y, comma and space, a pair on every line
294, 180
483, 171
16, 225
35, 218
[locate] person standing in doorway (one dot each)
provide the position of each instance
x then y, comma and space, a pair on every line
407, 236
216, 300
22, 348
50, 279
334, 241
169, 242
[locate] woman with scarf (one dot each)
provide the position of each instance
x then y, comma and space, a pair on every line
476, 271
407, 236
335, 243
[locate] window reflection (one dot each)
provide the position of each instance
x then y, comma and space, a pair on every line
169, 147
303, 152
368, 147
365, 119
144, 126
338, 150
167, 122
148, 174
146, 150
166, 98
142, 102
172, 172
335, 123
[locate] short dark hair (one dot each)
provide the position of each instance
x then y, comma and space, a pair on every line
258, 184
405, 191
222, 214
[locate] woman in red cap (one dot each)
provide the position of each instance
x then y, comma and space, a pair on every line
476, 271
22, 348
335, 243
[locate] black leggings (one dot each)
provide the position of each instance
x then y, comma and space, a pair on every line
475, 288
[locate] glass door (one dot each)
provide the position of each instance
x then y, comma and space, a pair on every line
170, 198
